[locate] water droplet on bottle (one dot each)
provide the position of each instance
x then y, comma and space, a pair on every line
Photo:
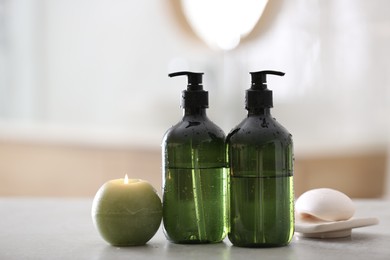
264, 123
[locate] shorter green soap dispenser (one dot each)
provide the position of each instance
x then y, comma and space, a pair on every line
194, 172
260, 156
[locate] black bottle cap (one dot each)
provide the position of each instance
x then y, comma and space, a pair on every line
194, 96
259, 96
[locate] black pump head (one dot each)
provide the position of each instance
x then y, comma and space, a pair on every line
194, 96
194, 79
259, 96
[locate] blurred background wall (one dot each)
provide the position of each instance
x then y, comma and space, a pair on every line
85, 97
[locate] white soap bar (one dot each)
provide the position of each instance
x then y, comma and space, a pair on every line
324, 204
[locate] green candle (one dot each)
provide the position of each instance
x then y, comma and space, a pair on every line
127, 212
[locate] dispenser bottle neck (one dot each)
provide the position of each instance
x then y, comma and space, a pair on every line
259, 112
195, 111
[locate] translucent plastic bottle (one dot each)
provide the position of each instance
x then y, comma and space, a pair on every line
260, 155
194, 172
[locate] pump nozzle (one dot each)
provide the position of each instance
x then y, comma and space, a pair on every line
259, 78
194, 79
259, 96
194, 96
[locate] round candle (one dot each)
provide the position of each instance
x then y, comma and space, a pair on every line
127, 212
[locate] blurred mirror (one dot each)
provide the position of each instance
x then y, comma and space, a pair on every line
222, 24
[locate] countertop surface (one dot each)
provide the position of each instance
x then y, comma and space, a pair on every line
53, 228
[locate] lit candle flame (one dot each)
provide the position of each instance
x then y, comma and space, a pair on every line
126, 180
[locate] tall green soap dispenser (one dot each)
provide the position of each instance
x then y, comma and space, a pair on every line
260, 156
194, 172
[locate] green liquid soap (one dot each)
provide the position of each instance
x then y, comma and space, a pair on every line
195, 206
194, 172
269, 200
260, 158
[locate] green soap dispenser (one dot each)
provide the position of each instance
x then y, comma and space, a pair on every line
194, 172
260, 157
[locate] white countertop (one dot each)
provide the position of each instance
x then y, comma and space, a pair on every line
51, 228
